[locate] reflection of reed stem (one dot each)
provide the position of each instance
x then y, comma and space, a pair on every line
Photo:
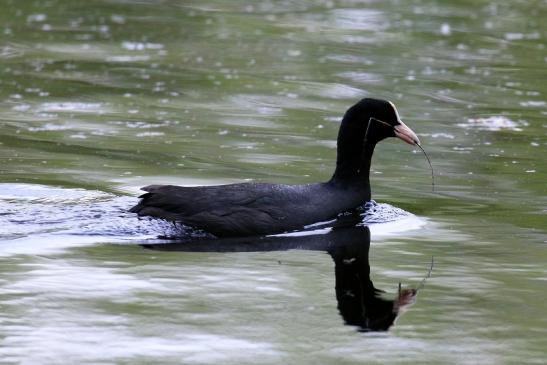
427, 276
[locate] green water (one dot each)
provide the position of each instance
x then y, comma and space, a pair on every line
98, 98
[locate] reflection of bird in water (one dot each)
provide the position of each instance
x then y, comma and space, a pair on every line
359, 302
252, 209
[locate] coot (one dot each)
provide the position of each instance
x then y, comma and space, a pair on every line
250, 209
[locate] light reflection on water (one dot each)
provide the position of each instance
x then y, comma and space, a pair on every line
102, 98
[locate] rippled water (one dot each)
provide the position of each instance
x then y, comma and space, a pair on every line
100, 98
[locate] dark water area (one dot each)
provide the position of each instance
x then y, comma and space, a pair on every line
100, 98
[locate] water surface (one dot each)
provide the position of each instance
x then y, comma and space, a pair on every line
99, 98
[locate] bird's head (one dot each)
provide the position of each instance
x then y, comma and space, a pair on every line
363, 126
384, 121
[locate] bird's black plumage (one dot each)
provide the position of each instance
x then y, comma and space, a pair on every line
248, 209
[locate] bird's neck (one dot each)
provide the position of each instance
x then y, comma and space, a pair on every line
354, 152
354, 168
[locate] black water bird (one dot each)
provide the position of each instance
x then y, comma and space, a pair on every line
252, 209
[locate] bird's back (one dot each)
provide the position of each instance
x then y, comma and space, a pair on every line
245, 209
